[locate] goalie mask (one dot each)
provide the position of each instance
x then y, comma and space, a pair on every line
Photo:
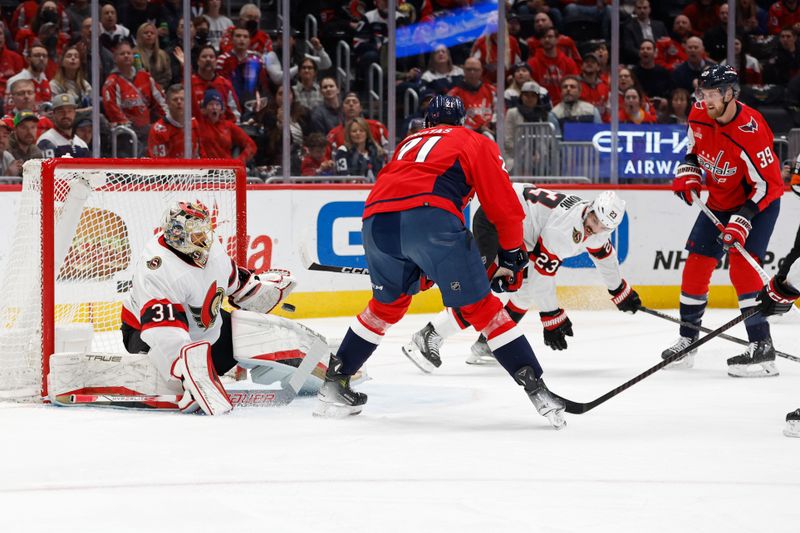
609, 210
187, 229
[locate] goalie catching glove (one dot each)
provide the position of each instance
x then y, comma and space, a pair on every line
625, 298
201, 385
261, 293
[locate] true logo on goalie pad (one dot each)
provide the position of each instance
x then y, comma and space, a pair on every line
206, 315
154, 263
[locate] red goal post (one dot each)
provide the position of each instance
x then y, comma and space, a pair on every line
79, 226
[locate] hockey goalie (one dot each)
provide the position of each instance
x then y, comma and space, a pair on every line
179, 339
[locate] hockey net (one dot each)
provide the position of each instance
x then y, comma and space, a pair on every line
80, 225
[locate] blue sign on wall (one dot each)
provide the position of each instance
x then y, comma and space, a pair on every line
645, 150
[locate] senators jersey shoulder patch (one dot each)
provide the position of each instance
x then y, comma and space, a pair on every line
154, 263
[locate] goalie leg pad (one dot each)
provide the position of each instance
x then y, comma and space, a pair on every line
105, 373
202, 387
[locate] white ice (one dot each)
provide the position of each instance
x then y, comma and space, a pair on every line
459, 450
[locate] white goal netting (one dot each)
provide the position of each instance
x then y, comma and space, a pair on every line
103, 213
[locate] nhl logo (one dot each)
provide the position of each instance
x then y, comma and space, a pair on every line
154, 263
576, 236
455, 286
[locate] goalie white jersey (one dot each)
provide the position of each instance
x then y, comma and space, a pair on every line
174, 302
553, 231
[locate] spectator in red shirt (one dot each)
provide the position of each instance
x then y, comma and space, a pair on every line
219, 136
11, 63
549, 65
593, 89
351, 108
783, 13
704, 14
37, 58
478, 98
131, 97
207, 78
249, 18
543, 22
244, 68
166, 135
316, 162
485, 50
633, 111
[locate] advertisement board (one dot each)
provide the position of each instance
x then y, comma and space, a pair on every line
645, 151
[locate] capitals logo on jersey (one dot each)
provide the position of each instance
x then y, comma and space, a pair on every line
206, 315
750, 127
713, 165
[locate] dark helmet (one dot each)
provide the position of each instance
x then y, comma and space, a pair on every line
719, 77
445, 109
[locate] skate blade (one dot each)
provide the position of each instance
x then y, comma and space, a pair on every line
758, 370
411, 351
684, 363
792, 428
481, 360
335, 410
556, 419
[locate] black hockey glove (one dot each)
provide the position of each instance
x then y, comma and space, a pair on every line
625, 298
514, 260
557, 327
777, 297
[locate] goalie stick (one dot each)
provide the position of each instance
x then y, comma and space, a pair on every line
695, 327
578, 408
239, 398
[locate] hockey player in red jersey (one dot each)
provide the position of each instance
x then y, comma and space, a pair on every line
731, 144
414, 223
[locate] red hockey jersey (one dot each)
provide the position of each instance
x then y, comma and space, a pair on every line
132, 100
738, 158
548, 72
444, 167
166, 139
224, 87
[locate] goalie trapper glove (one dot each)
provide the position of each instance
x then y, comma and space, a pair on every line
514, 260
261, 293
557, 327
777, 297
625, 298
201, 385
736, 231
688, 178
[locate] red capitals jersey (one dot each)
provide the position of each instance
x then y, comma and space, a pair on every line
780, 16
444, 167
738, 158
479, 103
223, 86
11, 63
166, 139
548, 71
132, 100
218, 140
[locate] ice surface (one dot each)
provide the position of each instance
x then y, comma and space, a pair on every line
459, 450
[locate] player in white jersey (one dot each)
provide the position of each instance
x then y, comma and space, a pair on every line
556, 226
173, 309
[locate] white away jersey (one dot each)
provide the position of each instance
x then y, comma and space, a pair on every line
553, 231
173, 302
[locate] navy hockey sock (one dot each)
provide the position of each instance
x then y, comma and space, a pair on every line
693, 313
354, 352
757, 327
515, 355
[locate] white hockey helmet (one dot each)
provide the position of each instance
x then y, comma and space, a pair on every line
188, 229
609, 209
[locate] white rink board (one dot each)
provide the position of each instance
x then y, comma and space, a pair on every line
327, 222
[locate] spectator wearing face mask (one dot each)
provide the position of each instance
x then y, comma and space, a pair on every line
249, 19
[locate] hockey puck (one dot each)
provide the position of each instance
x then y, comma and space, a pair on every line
289, 308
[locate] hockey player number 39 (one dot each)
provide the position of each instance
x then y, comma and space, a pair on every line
765, 157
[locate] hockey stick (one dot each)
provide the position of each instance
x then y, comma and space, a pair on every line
239, 398
577, 408
309, 264
695, 327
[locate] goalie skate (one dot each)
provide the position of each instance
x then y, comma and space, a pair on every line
480, 353
336, 399
792, 428
757, 362
687, 361
423, 350
546, 404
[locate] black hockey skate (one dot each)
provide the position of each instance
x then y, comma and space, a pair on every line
546, 404
335, 398
423, 350
480, 353
687, 361
792, 428
757, 362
